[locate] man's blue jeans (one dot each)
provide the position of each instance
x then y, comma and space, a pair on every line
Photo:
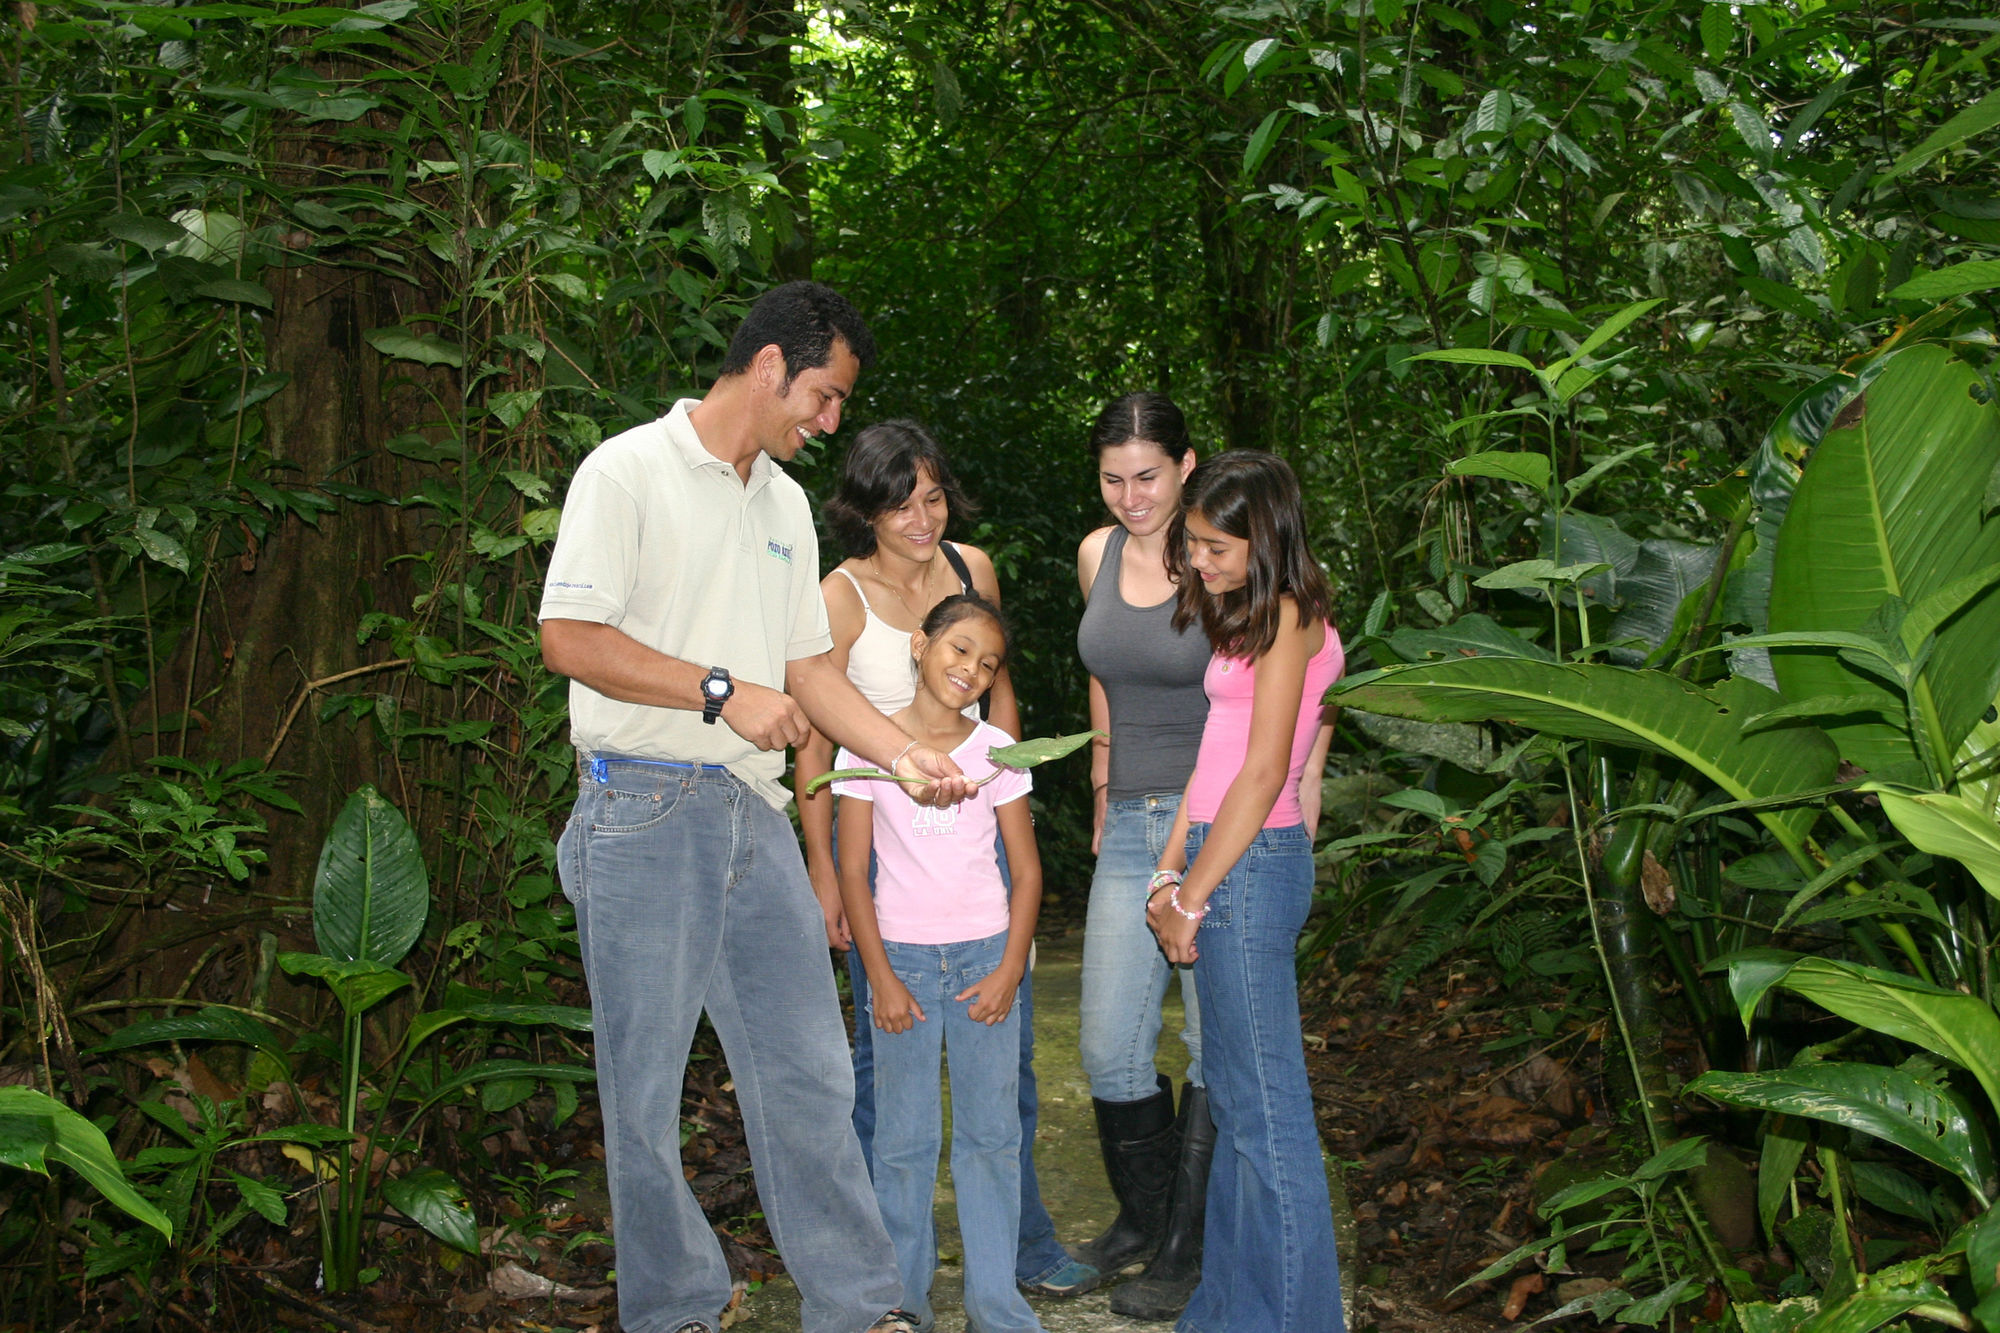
985, 1132
1268, 1262
690, 894
1039, 1255
1125, 975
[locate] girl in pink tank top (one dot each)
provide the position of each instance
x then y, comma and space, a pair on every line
1234, 884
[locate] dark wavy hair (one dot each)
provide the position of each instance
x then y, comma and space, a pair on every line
803, 319
878, 475
963, 606
1141, 416
1253, 495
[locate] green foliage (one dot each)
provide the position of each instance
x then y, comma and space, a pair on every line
36, 1129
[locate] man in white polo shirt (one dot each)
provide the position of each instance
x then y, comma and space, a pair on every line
683, 603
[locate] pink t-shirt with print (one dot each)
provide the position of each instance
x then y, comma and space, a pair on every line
937, 876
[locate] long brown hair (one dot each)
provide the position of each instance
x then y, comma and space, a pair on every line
1253, 495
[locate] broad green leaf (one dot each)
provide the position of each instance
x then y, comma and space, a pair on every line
1535, 573
1028, 753
236, 289
1981, 116
1530, 470
1945, 824
148, 233
570, 1016
1611, 328
358, 983
1960, 1027
161, 547
1973, 275
435, 1202
1648, 709
427, 348
211, 1024
1477, 356
1261, 140
372, 892
1778, 1158
1919, 1115
1474, 635
36, 1129
1889, 506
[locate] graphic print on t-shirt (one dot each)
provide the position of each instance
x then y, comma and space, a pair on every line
929, 823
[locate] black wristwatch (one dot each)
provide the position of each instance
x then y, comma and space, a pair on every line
716, 687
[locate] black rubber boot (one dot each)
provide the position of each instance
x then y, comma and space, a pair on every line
1141, 1143
1162, 1291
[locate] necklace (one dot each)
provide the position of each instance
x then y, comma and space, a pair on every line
924, 590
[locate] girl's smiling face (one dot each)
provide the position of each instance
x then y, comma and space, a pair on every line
1222, 561
1141, 484
958, 664
913, 528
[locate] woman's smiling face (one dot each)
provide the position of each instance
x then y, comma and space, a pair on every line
1141, 484
1222, 561
913, 528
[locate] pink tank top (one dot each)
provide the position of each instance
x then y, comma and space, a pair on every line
1231, 684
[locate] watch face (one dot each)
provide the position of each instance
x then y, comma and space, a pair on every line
717, 689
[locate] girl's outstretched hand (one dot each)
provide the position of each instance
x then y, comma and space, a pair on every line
895, 1009
1175, 932
992, 996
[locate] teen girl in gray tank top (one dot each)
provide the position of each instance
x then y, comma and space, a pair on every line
1151, 676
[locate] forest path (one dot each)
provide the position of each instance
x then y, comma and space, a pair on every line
1066, 1159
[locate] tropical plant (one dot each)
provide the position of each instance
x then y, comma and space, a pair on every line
369, 908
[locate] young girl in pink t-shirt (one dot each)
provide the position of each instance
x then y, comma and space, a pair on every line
1233, 886
945, 944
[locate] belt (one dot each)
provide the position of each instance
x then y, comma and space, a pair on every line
599, 766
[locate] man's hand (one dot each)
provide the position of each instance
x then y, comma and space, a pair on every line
943, 785
766, 718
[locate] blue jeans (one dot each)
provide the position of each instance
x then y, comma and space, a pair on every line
1124, 973
690, 894
985, 1132
1038, 1255
1268, 1262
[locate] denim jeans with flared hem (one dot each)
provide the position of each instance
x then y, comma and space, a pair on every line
1125, 975
1268, 1260
1038, 1255
985, 1132
690, 894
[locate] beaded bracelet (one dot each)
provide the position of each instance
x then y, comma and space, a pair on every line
1174, 898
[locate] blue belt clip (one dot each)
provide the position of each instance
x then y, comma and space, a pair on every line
600, 769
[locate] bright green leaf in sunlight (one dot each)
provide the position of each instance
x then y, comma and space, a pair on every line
1530, 470
1945, 824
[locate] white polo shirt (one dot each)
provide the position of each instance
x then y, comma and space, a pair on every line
663, 540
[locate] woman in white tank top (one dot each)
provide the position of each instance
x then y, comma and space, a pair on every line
897, 494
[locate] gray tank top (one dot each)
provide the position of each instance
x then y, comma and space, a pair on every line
1152, 681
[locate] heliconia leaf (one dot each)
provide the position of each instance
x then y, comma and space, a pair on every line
372, 892
1530, 470
1945, 824
1921, 1116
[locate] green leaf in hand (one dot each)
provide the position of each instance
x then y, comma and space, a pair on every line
1023, 754
1026, 754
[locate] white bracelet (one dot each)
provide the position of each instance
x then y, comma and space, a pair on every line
1174, 900
899, 758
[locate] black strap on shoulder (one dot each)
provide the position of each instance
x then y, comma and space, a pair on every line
958, 567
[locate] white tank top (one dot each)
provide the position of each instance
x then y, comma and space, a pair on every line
879, 663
